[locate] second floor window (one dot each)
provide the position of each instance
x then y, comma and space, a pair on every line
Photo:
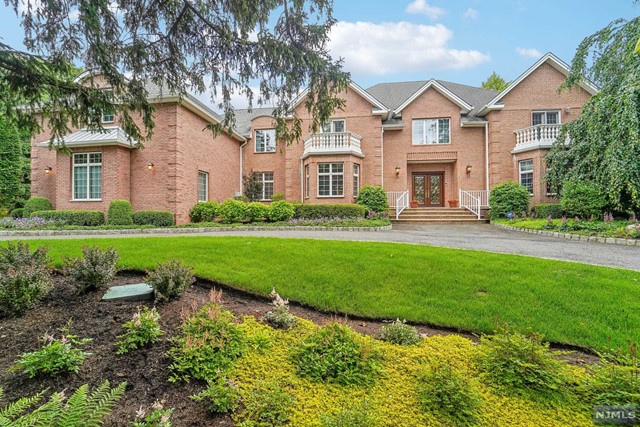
337, 125
265, 140
526, 174
430, 131
545, 118
266, 179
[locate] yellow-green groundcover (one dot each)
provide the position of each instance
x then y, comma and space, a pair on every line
394, 396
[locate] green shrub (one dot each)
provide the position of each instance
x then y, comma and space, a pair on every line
17, 213
36, 204
204, 212
337, 354
449, 394
612, 382
255, 211
399, 332
57, 355
169, 280
508, 197
24, 277
358, 416
209, 344
315, 211
157, 417
120, 213
276, 197
96, 268
142, 330
373, 198
279, 318
280, 211
81, 409
231, 211
583, 199
155, 218
268, 405
71, 217
221, 394
546, 210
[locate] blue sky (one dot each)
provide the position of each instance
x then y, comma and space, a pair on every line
456, 40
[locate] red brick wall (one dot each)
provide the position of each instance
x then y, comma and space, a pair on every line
266, 162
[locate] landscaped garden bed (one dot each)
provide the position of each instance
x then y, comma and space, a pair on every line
621, 229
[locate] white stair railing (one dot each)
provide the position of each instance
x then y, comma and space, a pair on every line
471, 202
402, 202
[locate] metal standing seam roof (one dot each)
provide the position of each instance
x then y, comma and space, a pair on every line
110, 135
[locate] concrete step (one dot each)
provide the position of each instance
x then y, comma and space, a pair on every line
438, 221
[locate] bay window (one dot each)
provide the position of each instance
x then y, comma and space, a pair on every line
330, 179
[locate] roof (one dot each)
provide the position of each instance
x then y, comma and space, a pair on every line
109, 135
245, 116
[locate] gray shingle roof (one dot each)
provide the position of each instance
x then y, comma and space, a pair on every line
475, 96
244, 117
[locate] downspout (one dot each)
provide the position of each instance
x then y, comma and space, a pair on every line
302, 181
486, 153
242, 164
382, 156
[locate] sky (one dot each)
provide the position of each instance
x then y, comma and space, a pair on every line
462, 41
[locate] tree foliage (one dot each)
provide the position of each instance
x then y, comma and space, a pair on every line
225, 47
603, 144
14, 164
495, 82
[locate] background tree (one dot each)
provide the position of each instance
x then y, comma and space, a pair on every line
252, 188
14, 164
224, 46
604, 145
495, 82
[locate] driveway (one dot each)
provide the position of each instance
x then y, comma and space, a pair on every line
478, 237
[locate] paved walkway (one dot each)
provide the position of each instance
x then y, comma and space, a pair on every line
479, 237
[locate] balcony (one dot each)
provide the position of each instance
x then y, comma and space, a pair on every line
534, 137
328, 143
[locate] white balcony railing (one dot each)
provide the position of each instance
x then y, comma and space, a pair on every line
538, 136
333, 143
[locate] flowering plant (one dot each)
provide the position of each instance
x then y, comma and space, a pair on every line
27, 223
157, 417
279, 318
142, 329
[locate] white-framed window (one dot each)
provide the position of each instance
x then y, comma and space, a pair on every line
108, 117
431, 131
265, 140
551, 117
356, 179
307, 181
203, 186
266, 179
526, 174
330, 179
87, 176
335, 125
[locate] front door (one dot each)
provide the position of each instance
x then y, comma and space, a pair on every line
428, 188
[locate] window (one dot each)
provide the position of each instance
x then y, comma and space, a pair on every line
265, 140
87, 176
307, 181
356, 179
330, 179
338, 125
545, 118
266, 179
431, 131
526, 174
108, 117
203, 186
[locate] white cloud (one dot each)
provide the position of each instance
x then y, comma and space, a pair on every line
23, 6
471, 13
392, 47
421, 7
529, 52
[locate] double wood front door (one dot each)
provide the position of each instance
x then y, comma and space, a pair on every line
428, 188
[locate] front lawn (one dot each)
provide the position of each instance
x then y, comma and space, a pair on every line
572, 303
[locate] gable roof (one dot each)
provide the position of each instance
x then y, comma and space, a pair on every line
244, 118
464, 106
380, 107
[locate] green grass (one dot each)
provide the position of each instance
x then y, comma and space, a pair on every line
571, 303
587, 228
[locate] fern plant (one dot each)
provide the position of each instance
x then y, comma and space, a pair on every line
81, 409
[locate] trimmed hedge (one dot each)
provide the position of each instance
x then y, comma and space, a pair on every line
204, 212
373, 198
508, 197
36, 204
231, 211
314, 211
73, 217
583, 199
280, 211
155, 218
255, 211
17, 213
120, 213
546, 210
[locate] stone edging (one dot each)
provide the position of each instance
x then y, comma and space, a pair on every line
182, 230
570, 236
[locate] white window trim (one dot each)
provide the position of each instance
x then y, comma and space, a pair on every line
332, 126
206, 186
262, 181
545, 116
113, 114
520, 172
85, 165
307, 181
356, 176
255, 142
330, 174
424, 120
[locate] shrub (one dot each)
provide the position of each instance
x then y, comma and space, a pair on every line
155, 218
337, 354
450, 394
36, 204
71, 217
57, 355
17, 213
255, 211
613, 381
279, 318
268, 405
24, 277
94, 270
142, 330
358, 416
120, 213
157, 416
280, 211
315, 211
204, 212
81, 409
399, 332
583, 199
546, 210
373, 198
231, 211
209, 343
169, 280
276, 197
221, 394
508, 197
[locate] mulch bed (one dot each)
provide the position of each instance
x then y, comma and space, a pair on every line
146, 371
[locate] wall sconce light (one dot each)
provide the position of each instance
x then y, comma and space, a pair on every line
468, 169
48, 170
150, 166
397, 170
